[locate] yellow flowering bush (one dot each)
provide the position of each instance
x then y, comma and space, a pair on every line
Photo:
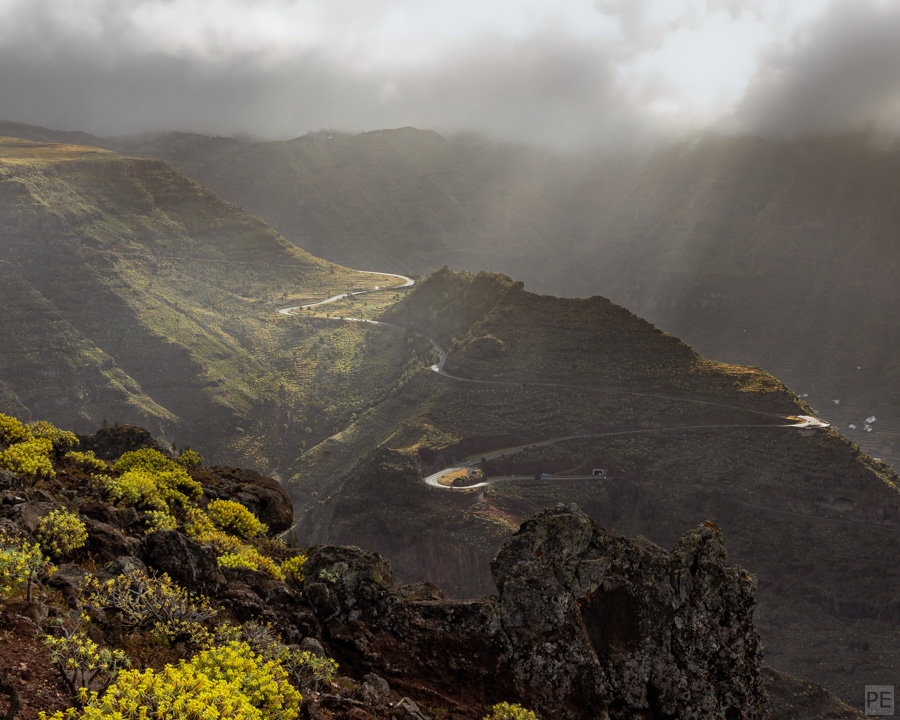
236, 560
228, 682
146, 458
293, 569
148, 488
60, 533
237, 553
12, 431
159, 520
506, 711
234, 518
20, 562
60, 439
29, 457
81, 662
189, 459
87, 461
147, 601
264, 681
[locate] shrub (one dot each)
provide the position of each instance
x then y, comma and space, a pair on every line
146, 459
233, 517
61, 533
29, 457
149, 489
159, 520
230, 681
189, 459
293, 569
20, 563
61, 439
200, 527
505, 711
83, 665
307, 669
87, 461
249, 557
137, 488
151, 602
236, 560
12, 431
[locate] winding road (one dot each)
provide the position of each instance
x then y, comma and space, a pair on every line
407, 282
433, 480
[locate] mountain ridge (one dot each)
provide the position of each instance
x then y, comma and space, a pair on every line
355, 416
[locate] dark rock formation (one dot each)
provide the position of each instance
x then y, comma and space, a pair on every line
586, 625
111, 441
261, 495
106, 543
189, 563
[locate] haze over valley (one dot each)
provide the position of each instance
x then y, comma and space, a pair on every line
475, 292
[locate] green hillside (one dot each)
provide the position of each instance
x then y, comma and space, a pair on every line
134, 295
782, 255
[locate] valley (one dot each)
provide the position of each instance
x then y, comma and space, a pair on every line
752, 251
134, 295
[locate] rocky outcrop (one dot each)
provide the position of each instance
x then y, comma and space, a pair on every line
110, 441
586, 624
261, 495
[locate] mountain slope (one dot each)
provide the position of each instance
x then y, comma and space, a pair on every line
780, 255
679, 438
134, 294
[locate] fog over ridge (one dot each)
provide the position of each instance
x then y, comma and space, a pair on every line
607, 73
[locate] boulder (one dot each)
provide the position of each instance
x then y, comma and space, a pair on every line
27, 515
187, 562
106, 543
68, 579
261, 495
120, 566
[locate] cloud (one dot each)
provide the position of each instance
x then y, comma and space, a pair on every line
606, 74
839, 74
107, 77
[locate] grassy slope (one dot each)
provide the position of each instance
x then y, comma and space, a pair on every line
364, 485
780, 255
158, 301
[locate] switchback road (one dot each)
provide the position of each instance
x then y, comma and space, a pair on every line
433, 480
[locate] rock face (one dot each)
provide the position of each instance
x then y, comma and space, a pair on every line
261, 495
586, 625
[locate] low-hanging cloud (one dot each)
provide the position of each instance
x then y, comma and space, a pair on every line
268, 69
547, 87
840, 74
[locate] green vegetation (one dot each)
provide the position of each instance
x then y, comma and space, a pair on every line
84, 665
61, 440
230, 681
234, 518
29, 457
293, 569
192, 661
87, 461
20, 564
505, 711
152, 602
60, 533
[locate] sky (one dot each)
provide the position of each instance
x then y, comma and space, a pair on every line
564, 73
